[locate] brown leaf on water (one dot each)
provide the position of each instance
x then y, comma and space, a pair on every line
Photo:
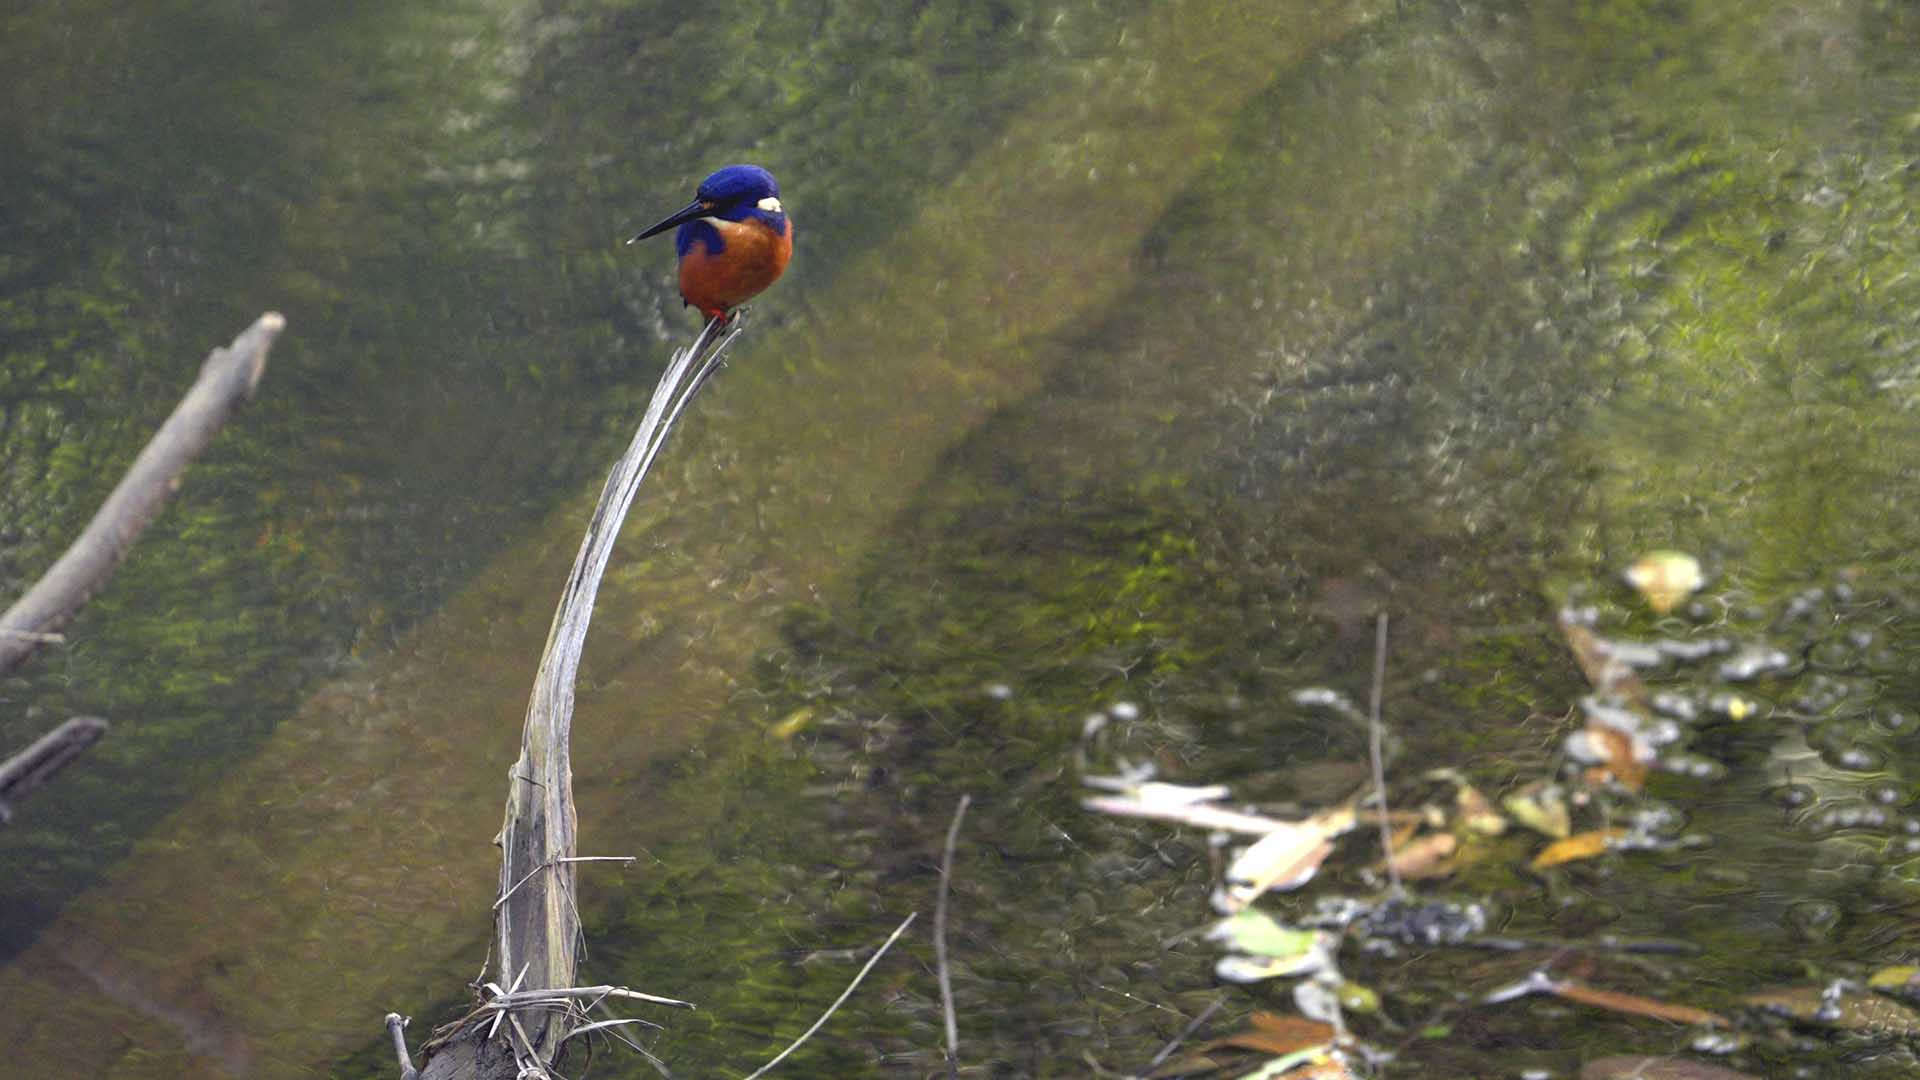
1633, 1004
1403, 833
1638, 1067
1431, 856
1622, 764
1277, 1034
1286, 1022
1576, 847
1605, 673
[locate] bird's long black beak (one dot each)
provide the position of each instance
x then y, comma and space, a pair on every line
692, 210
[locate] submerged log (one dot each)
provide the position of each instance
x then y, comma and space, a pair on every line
26, 771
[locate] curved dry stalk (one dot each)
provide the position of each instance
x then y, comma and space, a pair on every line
537, 928
536, 919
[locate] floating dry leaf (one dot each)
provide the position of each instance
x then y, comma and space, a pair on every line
1431, 856
1605, 672
1664, 578
1904, 978
1357, 998
792, 724
1273, 1033
1267, 949
1403, 833
1281, 860
1581, 846
1637, 1067
1847, 1010
1542, 807
1620, 758
1285, 858
1261, 934
1477, 813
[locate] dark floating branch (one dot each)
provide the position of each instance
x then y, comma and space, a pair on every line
25, 771
227, 379
532, 1006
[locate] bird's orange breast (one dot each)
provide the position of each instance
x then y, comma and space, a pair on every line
751, 256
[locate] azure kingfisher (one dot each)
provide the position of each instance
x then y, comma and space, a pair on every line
734, 239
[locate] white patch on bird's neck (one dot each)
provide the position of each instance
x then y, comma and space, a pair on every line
770, 204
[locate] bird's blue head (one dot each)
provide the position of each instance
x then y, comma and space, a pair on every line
733, 193
739, 185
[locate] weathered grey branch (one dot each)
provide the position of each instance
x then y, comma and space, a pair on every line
227, 379
396, 1027
593, 995
34, 766
536, 922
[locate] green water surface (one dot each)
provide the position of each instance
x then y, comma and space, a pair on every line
1134, 357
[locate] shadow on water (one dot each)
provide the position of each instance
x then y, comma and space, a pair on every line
1138, 399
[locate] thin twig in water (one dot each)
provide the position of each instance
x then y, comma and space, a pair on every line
1186, 1033
837, 1002
1137, 998
1374, 740
940, 938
